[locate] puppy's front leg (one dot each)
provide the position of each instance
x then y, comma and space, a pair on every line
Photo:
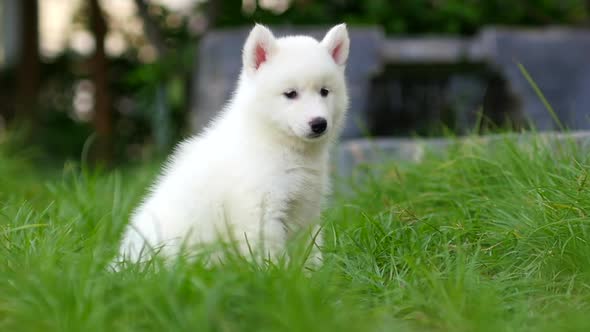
315, 259
266, 241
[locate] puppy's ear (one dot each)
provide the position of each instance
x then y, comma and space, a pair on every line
258, 47
337, 43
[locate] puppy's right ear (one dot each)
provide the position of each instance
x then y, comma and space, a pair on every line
259, 46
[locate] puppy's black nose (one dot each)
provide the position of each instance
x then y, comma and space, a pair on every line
318, 125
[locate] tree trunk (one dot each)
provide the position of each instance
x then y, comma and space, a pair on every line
103, 117
28, 71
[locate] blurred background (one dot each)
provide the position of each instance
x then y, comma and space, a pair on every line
119, 81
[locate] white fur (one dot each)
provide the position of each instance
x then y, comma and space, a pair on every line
254, 175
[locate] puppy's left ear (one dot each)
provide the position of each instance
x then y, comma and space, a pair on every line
337, 43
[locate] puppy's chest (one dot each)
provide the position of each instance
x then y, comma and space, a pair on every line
297, 193
298, 183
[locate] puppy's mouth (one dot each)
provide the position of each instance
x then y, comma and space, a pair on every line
314, 135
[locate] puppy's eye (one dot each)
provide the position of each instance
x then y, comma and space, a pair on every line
324, 92
290, 94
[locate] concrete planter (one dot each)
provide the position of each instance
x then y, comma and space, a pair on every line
350, 154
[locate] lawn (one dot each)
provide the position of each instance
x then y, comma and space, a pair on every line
478, 239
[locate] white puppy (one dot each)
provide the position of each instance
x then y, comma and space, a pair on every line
260, 171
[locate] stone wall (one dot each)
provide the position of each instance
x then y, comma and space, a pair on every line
404, 86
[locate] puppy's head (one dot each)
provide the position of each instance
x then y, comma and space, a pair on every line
296, 82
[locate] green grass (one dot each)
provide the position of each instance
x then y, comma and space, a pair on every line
477, 240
